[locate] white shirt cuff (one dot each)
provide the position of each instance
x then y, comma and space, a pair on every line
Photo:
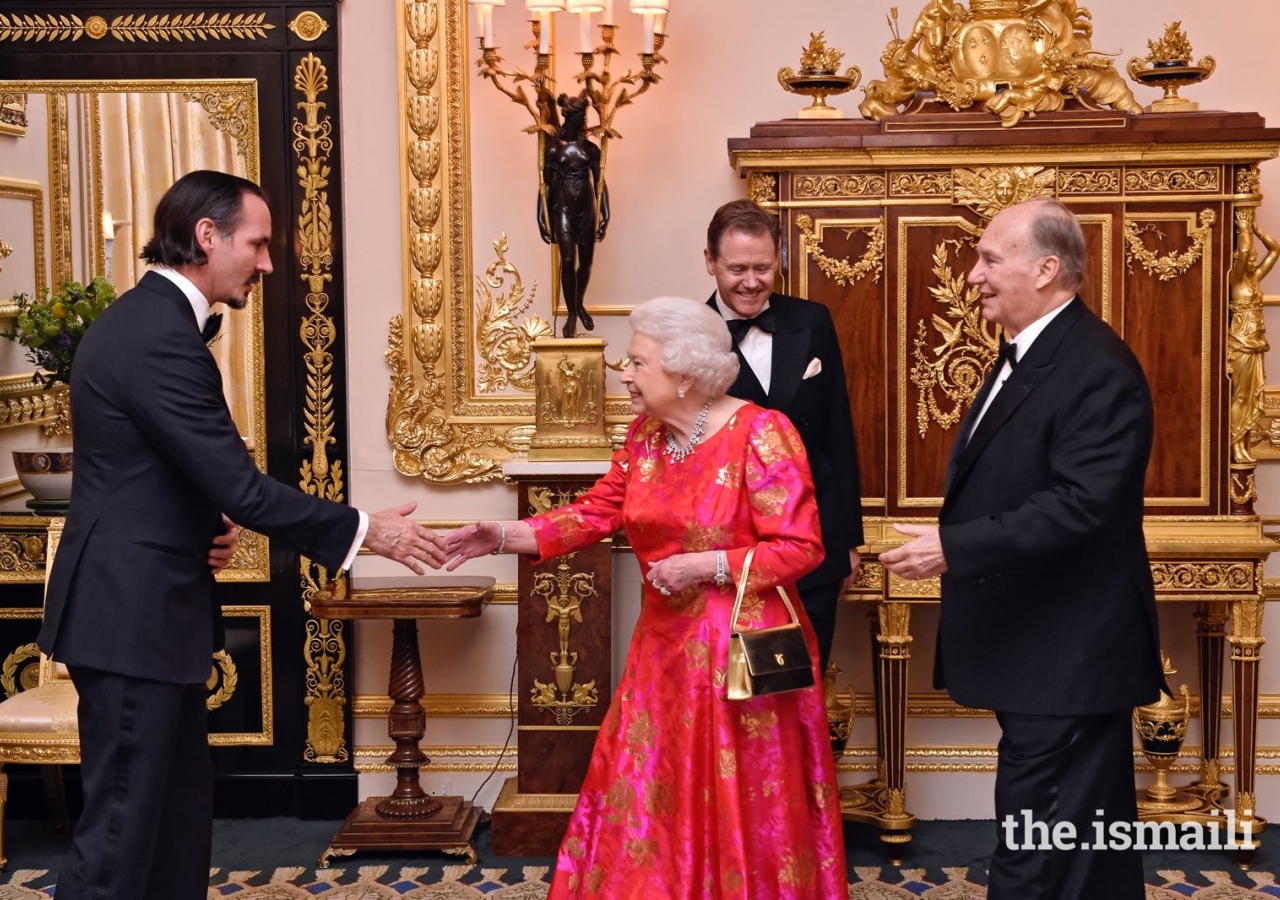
361, 531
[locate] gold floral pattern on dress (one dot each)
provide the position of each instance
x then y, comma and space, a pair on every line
692, 601
769, 501
620, 799
574, 847
823, 794
752, 608
798, 869
730, 475
595, 878
728, 762
642, 851
697, 655
699, 537
760, 724
769, 444
660, 800
641, 732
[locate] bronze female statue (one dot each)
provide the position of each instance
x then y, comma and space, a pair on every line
571, 173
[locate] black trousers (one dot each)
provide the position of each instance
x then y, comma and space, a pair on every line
147, 825
820, 603
1064, 769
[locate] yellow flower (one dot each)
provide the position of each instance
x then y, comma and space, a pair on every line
59, 311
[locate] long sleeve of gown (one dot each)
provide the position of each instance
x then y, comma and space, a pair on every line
594, 516
784, 512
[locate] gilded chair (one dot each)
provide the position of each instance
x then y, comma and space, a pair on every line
38, 725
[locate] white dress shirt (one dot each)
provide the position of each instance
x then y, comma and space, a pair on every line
756, 345
1021, 344
200, 306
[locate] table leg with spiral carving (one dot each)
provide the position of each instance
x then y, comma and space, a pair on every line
407, 723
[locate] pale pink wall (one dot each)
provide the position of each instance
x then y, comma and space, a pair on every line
666, 177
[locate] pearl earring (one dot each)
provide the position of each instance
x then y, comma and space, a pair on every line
680, 393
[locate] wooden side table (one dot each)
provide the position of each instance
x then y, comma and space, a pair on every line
410, 819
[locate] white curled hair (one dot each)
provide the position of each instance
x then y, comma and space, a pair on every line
692, 340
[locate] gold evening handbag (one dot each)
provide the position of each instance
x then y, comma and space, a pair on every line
766, 660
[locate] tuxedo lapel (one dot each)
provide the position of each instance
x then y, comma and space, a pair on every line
789, 359
1025, 378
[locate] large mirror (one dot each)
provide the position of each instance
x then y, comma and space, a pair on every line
79, 181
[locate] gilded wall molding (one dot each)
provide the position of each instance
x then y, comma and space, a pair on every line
60, 188
13, 114
224, 679
33, 193
136, 27
325, 648
505, 345
441, 426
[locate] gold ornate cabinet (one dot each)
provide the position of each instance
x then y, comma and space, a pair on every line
879, 223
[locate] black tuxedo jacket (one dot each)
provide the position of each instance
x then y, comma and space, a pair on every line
157, 459
1048, 605
819, 409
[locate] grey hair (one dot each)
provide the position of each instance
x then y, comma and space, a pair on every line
692, 340
1055, 231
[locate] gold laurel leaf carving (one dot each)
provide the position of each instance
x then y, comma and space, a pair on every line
955, 367
1171, 266
840, 270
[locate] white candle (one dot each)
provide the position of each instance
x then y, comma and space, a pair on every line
584, 32
544, 39
608, 12
108, 227
660, 25
648, 32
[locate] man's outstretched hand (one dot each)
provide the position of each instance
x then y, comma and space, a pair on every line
392, 534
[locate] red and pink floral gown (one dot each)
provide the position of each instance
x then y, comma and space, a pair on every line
688, 794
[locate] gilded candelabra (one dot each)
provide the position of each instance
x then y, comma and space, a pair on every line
1168, 65
567, 157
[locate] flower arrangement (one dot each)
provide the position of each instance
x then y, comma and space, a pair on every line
51, 327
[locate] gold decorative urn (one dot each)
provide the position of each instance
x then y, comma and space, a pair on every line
819, 78
839, 711
1162, 726
1168, 65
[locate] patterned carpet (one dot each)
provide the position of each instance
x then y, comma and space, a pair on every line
248, 854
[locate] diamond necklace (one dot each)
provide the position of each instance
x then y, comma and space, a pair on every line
678, 454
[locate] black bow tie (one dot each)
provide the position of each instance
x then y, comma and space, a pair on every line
738, 328
1008, 353
211, 326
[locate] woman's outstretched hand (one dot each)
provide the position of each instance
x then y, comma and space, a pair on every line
470, 541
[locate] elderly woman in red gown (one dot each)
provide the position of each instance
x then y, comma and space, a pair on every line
689, 794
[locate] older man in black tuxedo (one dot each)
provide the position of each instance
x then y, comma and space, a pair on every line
790, 361
1048, 607
130, 607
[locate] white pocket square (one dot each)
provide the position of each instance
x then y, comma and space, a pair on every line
815, 366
